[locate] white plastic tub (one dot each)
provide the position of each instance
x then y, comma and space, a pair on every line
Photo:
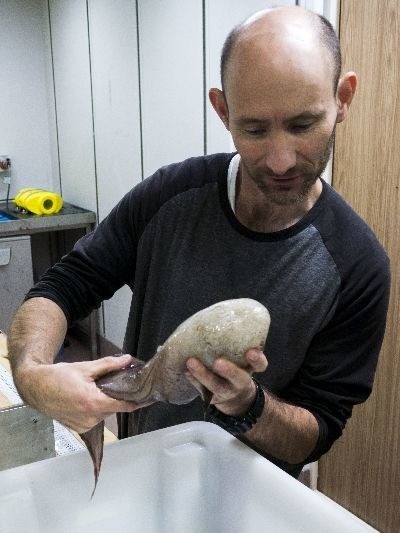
189, 478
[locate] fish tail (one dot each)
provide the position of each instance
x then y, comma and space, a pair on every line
94, 440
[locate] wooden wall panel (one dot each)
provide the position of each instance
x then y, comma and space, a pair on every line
362, 471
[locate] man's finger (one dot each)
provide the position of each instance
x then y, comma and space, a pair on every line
109, 364
257, 360
204, 376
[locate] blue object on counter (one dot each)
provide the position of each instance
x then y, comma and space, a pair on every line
5, 217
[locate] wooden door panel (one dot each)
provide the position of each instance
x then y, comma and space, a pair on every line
362, 471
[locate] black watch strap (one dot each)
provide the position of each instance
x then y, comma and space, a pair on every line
236, 425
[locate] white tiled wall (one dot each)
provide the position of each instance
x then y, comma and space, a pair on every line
27, 121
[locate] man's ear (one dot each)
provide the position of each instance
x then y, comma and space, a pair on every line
218, 101
346, 88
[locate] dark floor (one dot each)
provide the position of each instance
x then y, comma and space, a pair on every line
75, 350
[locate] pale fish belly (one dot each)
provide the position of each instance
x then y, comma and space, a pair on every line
226, 329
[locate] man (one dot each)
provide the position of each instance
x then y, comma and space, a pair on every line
259, 224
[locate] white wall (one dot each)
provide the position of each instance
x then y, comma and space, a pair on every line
116, 117
116, 110
73, 95
171, 66
27, 123
119, 90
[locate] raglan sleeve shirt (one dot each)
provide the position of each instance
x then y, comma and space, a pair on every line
177, 216
339, 367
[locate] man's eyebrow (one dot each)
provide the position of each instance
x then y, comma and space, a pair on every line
252, 120
306, 115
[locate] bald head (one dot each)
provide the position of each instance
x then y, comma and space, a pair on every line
293, 31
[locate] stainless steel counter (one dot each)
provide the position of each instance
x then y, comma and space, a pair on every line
69, 217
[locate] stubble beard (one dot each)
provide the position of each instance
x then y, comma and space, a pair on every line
286, 197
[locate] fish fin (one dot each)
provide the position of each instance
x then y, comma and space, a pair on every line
206, 396
94, 440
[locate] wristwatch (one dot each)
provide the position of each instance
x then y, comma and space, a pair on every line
236, 425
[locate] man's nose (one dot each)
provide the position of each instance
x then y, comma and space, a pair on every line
280, 154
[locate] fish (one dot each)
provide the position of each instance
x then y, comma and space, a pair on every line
225, 329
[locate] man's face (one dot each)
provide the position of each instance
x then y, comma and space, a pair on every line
282, 116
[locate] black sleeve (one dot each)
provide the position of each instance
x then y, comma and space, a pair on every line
105, 260
340, 364
99, 264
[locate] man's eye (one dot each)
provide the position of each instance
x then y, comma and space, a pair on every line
255, 132
298, 128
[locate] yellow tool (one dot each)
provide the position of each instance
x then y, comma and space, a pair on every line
38, 201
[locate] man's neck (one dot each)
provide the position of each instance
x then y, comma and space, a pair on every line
258, 213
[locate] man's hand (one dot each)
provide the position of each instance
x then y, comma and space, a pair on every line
284, 431
68, 392
64, 391
232, 388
